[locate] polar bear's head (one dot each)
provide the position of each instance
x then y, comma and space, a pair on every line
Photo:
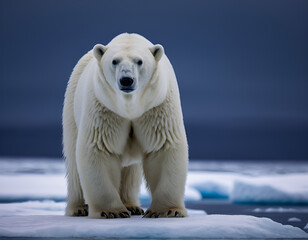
127, 66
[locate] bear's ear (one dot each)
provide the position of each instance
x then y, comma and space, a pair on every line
98, 51
157, 51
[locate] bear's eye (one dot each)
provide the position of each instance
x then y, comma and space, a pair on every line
115, 61
139, 62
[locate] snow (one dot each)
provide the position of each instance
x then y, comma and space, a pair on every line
195, 226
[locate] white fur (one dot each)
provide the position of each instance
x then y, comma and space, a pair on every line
109, 135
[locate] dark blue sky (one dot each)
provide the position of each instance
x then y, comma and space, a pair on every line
242, 68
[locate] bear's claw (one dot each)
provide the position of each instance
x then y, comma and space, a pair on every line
134, 210
124, 215
111, 215
78, 211
175, 212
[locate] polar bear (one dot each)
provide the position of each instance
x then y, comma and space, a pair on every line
122, 119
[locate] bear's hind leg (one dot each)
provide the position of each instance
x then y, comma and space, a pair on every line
75, 201
131, 177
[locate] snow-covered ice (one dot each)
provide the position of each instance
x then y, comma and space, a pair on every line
47, 207
195, 226
288, 188
32, 186
45, 219
294, 219
279, 188
282, 210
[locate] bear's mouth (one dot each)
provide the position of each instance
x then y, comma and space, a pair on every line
126, 84
127, 90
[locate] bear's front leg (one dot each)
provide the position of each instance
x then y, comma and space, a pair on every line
165, 172
100, 176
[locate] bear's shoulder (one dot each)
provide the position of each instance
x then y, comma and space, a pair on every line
160, 127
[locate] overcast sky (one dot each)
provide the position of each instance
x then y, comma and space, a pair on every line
236, 61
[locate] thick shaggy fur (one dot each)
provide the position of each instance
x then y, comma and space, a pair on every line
109, 136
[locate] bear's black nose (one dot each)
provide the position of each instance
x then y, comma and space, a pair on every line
126, 81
